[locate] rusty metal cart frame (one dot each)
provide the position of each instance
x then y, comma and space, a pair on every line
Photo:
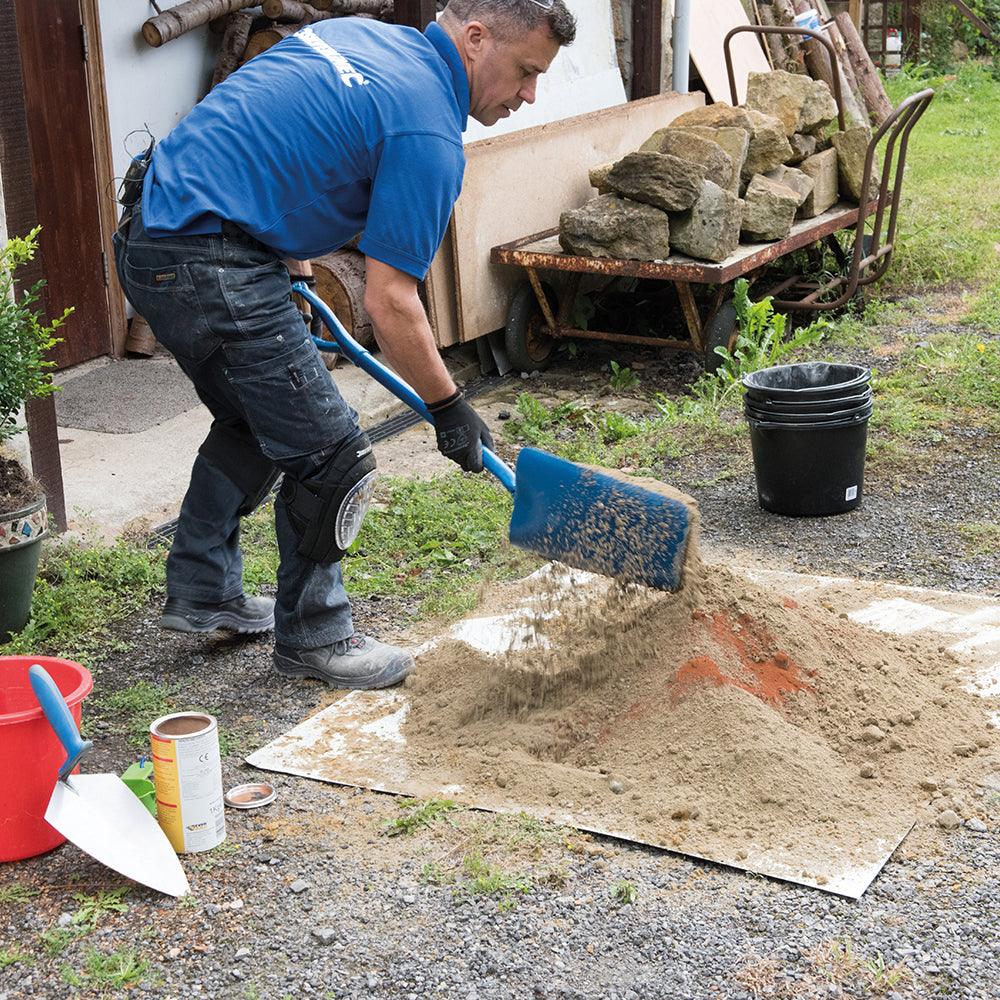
534, 324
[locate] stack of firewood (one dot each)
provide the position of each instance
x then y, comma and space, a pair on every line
250, 27
864, 97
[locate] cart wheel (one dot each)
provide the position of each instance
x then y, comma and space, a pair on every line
529, 348
720, 333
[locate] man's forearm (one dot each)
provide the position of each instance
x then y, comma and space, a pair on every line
405, 338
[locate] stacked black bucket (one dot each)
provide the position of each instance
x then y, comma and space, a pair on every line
808, 430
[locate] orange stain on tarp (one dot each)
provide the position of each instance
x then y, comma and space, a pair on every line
774, 674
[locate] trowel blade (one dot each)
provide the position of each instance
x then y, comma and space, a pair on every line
99, 814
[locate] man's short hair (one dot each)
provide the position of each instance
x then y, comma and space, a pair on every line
508, 17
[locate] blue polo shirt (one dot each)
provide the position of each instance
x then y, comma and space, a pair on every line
348, 126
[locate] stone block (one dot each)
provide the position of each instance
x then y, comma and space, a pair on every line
609, 226
799, 182
802, 146
685, 145
821, 168
710, 229
769, 146
731, 140
658, 179
852, 148
599, 177
718, 115
799, 102
768, 210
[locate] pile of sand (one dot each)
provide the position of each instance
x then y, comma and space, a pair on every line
721, 715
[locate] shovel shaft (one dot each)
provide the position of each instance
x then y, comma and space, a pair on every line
60, 719
355, 353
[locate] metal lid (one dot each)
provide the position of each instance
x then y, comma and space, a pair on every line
252, 796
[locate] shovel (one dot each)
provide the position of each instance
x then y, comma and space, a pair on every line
590, 519
98, 813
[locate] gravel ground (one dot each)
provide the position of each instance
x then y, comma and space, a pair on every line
310, 898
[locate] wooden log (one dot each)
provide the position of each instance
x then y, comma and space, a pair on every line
784, 16
847, 78
261, 41
234, 43
869, 82
140, 339
291, 11
776, 51
340, 283
185, 16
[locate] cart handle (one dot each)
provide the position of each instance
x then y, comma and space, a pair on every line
775, 29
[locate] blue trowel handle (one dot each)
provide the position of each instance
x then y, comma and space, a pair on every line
57, 712
364, 360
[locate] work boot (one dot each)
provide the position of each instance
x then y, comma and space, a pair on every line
358, 662
245, 615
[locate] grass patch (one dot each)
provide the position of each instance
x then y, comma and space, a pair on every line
16, 894
981, 538
950, 379
949, 217
56, 940
93, 908
419, 816
480, 878
625, 893
15, 955
81, 592
842, 965
108, 970
132, 709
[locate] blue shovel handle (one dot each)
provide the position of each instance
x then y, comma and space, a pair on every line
57, 712
355, 353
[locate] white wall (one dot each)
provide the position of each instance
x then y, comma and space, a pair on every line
149, 87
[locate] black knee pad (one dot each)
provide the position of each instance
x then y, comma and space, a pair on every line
327, 509
232, 448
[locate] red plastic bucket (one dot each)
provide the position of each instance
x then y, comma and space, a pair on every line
30, 752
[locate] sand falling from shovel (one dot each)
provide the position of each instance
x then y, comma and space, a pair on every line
718, 716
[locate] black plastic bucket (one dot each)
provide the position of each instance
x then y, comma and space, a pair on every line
826, 405
809, 469
809, 380
862, 412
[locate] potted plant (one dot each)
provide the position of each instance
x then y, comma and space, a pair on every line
25, 374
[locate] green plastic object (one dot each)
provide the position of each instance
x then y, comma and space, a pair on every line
138, 779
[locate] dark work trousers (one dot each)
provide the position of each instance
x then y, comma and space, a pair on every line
221, 305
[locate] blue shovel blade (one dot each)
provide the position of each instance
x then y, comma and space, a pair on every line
595, 521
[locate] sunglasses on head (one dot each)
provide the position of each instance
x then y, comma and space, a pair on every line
544, 4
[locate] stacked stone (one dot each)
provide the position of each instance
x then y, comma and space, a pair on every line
718, 174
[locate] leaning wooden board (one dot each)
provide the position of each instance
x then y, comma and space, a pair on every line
710, 23
519, 183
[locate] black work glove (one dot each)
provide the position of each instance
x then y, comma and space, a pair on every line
460, 431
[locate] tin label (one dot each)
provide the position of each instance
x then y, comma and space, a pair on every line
188, 776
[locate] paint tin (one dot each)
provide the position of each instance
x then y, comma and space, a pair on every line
187, 770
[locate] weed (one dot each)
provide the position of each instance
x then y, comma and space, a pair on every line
134, 708
108, 970
840, 964
760, 342
623, 378
16, 894
433, 873
15, 955
56, 939
484, 879
982, 538
219, 855
92, 908
625, 893
420, 815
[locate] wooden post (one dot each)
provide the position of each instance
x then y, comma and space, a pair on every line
911, 30
647, 45
870, 83
414, 13
854, 12
46, 467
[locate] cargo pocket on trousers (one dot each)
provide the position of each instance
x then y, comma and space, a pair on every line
287, 395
